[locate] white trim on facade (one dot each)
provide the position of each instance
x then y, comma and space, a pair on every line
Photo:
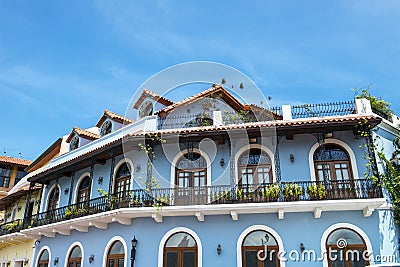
131, 168
47, 197
248, 147
83, 175
345, 146
180, 155
108, 247
255, 228
40, 252
79, 244
337, 226
177, 230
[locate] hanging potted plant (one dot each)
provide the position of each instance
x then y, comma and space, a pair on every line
316, 191
271, 192
292, 192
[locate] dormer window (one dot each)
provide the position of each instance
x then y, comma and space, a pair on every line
105, 128
74, 144
146, 109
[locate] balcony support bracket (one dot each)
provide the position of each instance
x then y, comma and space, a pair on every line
317, 212
234, 215
367, 211
157, 217
99, 225
200, 216
281, 214
124, 221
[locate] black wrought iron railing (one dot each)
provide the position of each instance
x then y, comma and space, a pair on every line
210, 195
323, 109
11, 227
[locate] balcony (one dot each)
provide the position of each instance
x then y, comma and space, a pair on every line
11, 227
284, 192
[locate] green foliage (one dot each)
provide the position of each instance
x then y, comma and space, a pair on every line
271, 191
13, 226
292, 190
391, 181
74, 212
316, 191
379, 105
102, 192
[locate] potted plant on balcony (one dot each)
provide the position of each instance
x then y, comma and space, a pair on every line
239, 195
271, 192
316, 191
134, 201
292, 192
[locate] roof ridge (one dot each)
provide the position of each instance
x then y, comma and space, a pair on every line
213, 88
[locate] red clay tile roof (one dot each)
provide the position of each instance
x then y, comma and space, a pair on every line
17, 161
156, 97
297, 123
82, 133
225, 95
113, 116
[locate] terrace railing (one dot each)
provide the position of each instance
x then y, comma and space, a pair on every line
211, 195
323, 109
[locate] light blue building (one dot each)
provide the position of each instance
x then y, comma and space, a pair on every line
210, 181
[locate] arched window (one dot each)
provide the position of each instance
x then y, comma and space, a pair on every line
74, 144
180, 250
255, 167
332, 163
191, 179
116, 255
83, 190
106, 128
43, 259
122, 180
345, 248
253, 250
54, 195
75, 257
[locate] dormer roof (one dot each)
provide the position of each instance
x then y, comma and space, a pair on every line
216, 90
114, 117
82, 133
156, 97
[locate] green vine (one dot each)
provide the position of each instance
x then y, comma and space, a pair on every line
377, 104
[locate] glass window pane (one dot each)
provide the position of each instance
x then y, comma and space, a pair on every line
251, 259
259, 238
351, 237
45, 255
76, 252
120, 262
111, 263
171, 259
117, 248
181, 240
189, 258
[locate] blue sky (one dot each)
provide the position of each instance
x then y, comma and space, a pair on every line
63, 62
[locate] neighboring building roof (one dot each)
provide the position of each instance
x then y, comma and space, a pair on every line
82, 133
113, 116
17, 161
217, 89
156, 97
46, 156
